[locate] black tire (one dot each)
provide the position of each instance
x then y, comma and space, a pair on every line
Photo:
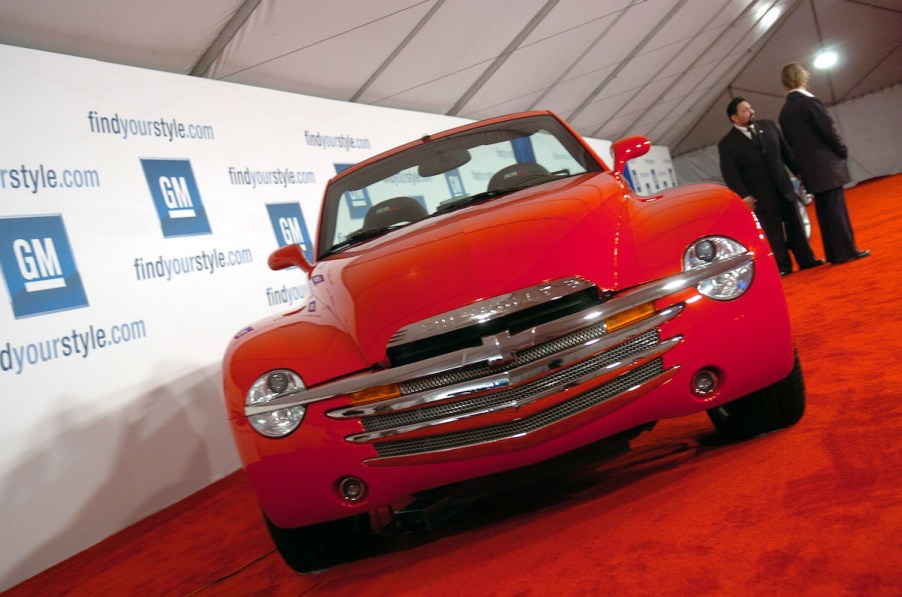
320, 546
774, 407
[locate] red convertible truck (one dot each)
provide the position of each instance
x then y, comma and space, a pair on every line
486, 300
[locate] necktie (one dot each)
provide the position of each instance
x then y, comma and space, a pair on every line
753, 131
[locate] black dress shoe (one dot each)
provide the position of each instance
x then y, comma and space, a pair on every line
858, 255
785, 272
814, 263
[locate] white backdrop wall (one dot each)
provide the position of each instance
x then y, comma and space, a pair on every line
137, 210
869, 125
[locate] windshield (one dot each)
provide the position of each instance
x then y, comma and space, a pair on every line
447, 174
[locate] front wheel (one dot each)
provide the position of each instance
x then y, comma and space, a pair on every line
311, 548
774, 407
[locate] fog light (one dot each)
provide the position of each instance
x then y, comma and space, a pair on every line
704, 383
352, 489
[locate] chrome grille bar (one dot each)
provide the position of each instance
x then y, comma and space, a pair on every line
645, 348
487, 310
647, 375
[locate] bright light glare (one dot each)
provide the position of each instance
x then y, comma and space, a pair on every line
769, 18
825, 59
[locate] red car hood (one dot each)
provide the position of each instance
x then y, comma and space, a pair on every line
556, 230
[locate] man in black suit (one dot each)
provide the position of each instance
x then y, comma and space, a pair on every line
821, 156
753, 160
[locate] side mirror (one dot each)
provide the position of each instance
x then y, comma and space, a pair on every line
627, 149
289, 256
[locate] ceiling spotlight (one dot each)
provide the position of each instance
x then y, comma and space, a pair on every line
825, 59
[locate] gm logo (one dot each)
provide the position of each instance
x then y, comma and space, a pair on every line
455, 183
358, 201
176, 197
288, 224
37, 263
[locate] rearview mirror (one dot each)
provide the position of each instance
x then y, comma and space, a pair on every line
627, 149
445, 160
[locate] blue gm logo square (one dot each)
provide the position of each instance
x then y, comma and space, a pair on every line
176, 197
289, 226
38, 265
358, 201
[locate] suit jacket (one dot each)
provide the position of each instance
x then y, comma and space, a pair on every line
758, 171
811, 133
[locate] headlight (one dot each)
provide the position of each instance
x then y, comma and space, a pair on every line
711, 249
280, 422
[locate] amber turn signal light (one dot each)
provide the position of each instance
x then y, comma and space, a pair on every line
375, 394
625, 318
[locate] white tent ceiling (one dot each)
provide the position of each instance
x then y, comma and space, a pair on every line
661, 68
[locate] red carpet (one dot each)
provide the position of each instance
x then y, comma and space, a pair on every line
812, 510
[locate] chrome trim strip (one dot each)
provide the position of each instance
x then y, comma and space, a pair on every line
635, 360
513, 376
489, 309
493, 348
489, 351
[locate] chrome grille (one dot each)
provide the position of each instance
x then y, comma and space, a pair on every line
559, 378
523, 357
479, 394
526, 425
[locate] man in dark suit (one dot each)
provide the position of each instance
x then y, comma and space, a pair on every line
753, 160
821, 156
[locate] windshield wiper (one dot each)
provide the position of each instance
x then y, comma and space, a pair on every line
478, 197
358, 236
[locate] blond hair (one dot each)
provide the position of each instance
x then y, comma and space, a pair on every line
794, 76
